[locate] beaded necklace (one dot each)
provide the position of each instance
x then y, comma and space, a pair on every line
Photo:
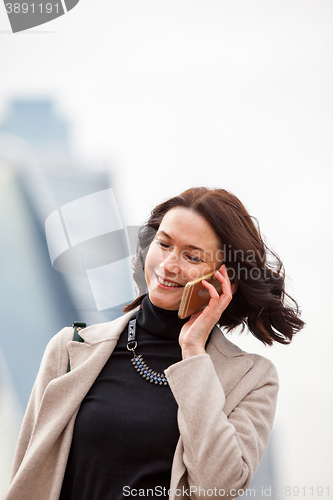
138, 362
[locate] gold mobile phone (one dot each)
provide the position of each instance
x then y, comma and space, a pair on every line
196, 296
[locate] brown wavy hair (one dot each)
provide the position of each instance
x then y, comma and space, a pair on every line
260, 301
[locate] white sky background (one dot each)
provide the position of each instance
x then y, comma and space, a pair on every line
233, 94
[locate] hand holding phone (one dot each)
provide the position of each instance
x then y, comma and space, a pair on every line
196, 296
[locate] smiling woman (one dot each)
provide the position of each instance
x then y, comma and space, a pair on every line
181, 251
228, 234
201, 424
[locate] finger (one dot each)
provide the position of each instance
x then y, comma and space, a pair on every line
217, 302
223, 271
226, 287
211, 288
223, 277
225, 283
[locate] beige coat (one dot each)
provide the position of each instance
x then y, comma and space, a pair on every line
226, 401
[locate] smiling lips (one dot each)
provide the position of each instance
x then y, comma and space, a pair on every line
169, 284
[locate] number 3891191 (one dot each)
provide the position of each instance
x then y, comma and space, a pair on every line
33, 8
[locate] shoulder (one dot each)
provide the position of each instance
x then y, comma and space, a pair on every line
55, 358
60, 338
260, 370
55, 352
263, 367
110, 330
92, 334
59, 341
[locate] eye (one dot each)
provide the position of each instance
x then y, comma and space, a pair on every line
162, 244
191, 258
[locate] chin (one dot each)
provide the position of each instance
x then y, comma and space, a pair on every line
163, 302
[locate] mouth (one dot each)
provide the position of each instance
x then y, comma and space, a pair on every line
166, 283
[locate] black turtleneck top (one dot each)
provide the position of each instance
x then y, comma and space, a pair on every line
126, 431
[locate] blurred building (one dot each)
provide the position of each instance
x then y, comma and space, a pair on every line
36, 121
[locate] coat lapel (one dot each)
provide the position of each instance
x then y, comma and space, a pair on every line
93, 336
64, 394
232, 365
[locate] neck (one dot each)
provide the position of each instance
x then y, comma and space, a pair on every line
159, 322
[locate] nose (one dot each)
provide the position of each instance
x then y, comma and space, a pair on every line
171, 263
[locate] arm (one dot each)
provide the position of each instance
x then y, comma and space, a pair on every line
223, 451
53, 365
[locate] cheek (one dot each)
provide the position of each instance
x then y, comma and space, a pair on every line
191, 273
147, 268
195, 272
147, 280
149, 259
150, 263
154, 257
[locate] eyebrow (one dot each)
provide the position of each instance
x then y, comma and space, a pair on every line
188, 246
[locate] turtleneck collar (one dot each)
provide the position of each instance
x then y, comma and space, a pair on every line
159, 322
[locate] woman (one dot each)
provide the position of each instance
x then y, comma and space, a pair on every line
102, 431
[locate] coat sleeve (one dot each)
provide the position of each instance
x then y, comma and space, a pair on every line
222, 450
53, 364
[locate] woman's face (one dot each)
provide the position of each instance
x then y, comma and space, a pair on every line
185, 248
